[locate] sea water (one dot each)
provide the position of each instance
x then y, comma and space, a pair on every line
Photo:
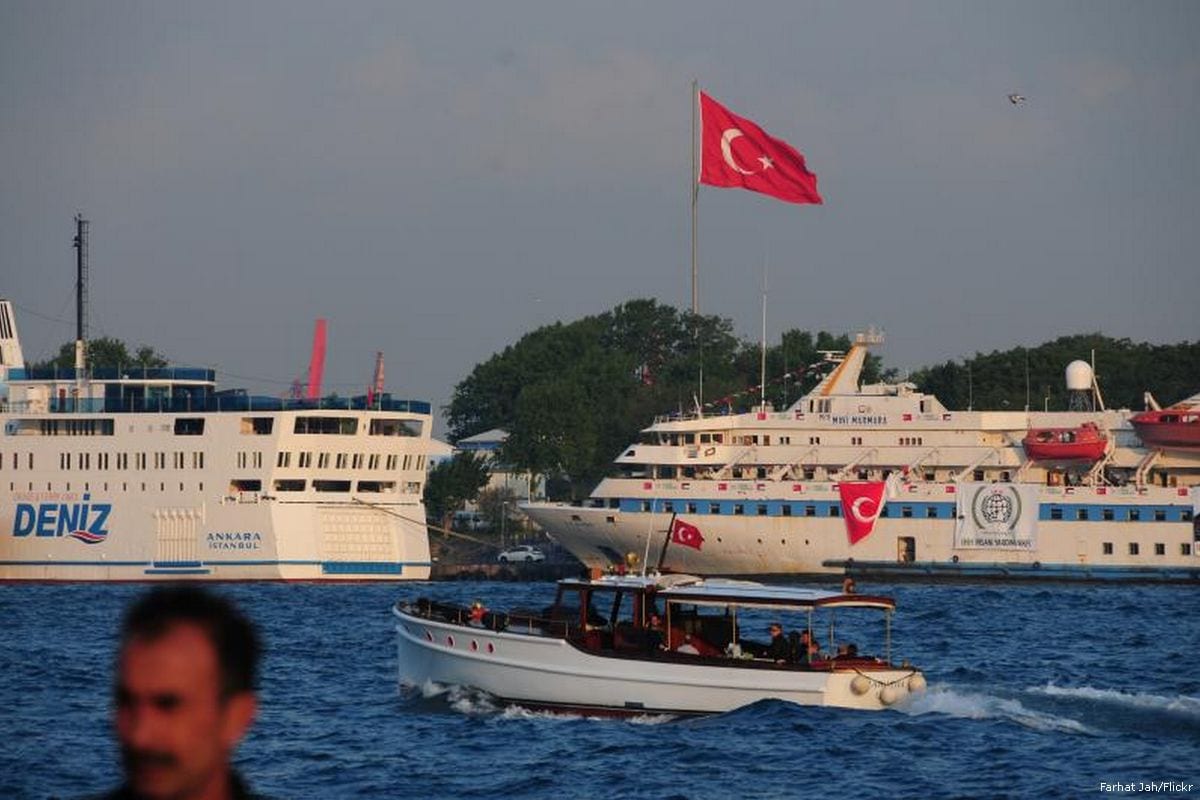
1052, 690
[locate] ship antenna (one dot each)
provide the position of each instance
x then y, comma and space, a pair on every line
81, 282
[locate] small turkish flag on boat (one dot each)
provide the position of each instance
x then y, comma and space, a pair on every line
686, 534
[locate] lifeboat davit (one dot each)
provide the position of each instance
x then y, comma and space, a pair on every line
1173, 428
1083, 444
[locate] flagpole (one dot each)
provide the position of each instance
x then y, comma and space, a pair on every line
667, 542
695, 189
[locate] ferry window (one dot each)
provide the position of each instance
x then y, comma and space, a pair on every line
258, 461
883, 512
341, 426
189, 426
1081, 514
762, 509
1134, 515
341, 461
1185, 549
1133, 548
1186, 516
645, 505
906, 511
691, 508
611, 520
809, 473
931, 512
930, 475
689, 438
394, 427
241, 460
64, 460
705, 438
392, 460
331, 486
1160, 549
810, 511
305, 460
377, 486
284, 459
1056, 512
718, 438
786, 509
179, 460
835, 510
668, 506
322, 460
714, 508
1160, 515
761, 473
738, 509
863, 474
289, 485
785, 440
257, 426
245, 485
1108, 548
373, 461
814, 440
356, 462
978, 474
1107, 514
160, 460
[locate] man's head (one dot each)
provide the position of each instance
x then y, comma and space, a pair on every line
775, 629
185, 691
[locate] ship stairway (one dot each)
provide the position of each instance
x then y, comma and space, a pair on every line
916, 463
1095, 476
845, 470
727, 470
1143, 467
967, 470
781, 473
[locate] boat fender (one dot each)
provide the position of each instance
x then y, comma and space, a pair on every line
916, 683
860, 685
954, 559
889, 694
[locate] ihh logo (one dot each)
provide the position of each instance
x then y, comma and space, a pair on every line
84, 521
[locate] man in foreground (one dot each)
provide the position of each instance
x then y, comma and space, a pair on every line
185, 695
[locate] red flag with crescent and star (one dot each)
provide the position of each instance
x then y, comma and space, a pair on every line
736, 153
862, 502
686, 534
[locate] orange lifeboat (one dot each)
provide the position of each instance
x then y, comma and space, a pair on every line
1173, 428
1084, 444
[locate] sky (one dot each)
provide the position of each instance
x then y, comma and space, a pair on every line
437, 179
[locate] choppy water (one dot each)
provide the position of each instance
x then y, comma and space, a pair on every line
1035, 691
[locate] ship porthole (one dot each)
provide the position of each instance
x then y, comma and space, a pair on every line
428, 636
491, 648
450, 641
474, 645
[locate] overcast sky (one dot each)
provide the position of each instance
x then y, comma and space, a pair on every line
437, 179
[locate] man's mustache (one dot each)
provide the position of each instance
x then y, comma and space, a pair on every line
139, 759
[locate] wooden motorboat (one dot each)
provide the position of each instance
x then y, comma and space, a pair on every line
596, 649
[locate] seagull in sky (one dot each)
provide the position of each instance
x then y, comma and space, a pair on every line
1016, 99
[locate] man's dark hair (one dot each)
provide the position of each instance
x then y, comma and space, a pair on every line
231, 633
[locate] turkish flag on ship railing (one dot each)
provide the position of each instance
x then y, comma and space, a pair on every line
737, 153
862, 502
686, 534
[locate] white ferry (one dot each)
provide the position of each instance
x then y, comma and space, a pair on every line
155, 475
882, 479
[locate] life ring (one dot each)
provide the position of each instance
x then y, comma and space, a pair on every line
954, 559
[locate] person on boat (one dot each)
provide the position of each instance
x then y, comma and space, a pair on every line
654, 634
778, 650
848, 586
478, 610
687, 648
185, 695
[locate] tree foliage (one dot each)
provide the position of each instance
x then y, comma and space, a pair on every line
453, 482
1124, 370
107, 352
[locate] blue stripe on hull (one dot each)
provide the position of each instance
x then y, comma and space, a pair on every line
1034, 571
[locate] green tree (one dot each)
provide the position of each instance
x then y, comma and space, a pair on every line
107, 353
453, 482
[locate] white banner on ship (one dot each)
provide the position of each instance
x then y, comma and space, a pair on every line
996, 516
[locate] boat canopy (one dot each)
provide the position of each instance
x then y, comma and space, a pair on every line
717, 591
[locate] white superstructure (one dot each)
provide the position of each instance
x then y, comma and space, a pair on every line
154, 474
955, 492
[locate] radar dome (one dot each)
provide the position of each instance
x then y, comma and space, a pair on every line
1079, 376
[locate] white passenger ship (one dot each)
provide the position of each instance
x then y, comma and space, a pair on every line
154, 474
884, 480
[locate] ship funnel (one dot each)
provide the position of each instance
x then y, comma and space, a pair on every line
10, 344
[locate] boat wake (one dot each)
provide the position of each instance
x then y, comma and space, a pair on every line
475, 702
965, 704
1081, 709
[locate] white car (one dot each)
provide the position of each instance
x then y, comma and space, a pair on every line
525, 552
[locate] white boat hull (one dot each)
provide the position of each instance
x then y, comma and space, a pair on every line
544, 671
